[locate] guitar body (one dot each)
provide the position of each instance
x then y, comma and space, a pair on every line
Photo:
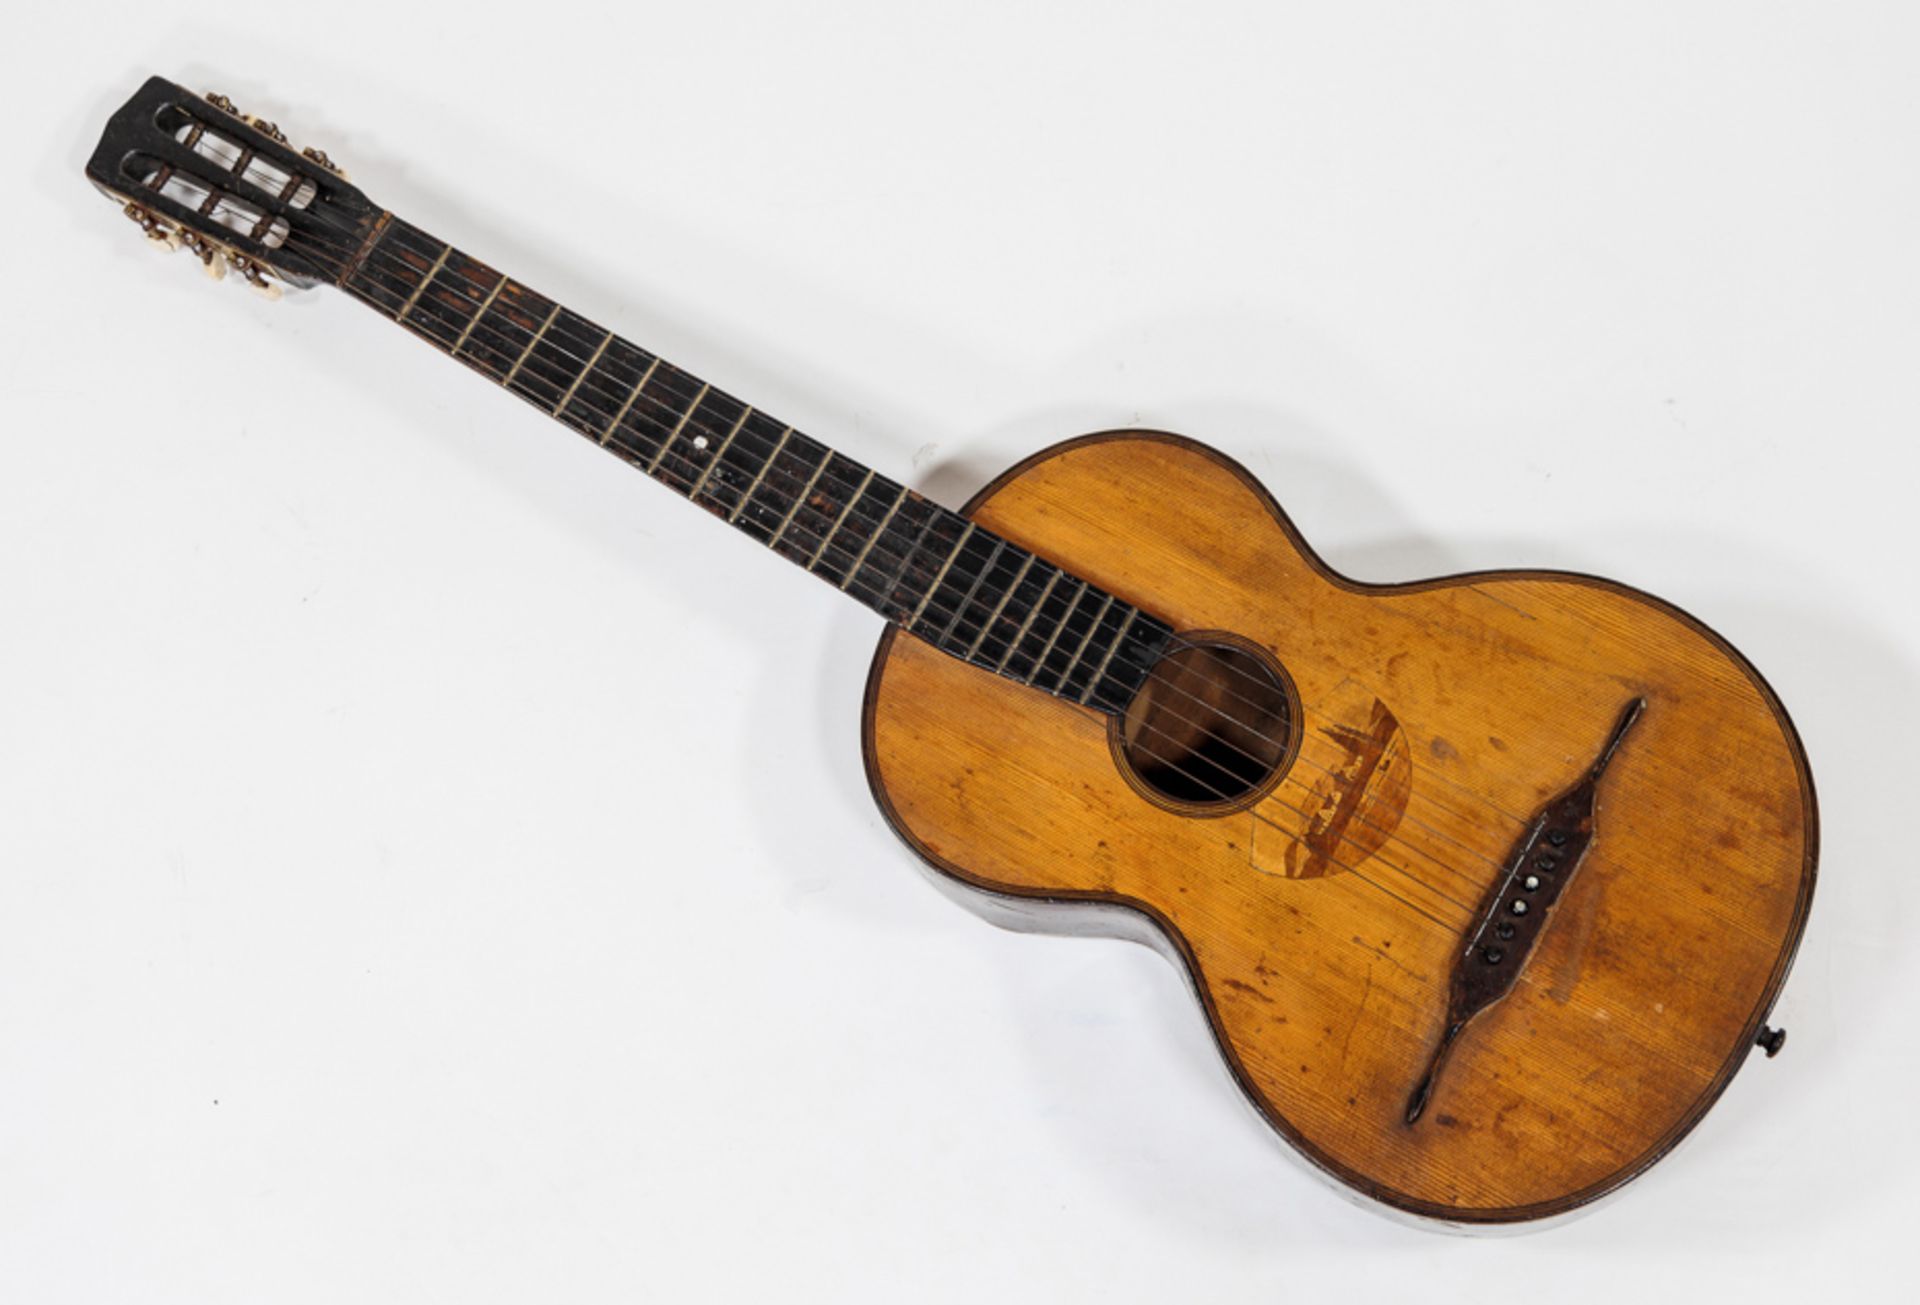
1322, 917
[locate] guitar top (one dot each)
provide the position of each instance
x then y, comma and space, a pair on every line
1486, 884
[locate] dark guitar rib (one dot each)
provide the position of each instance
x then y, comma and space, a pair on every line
959, 587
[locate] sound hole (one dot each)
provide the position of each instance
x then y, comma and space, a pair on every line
1211, 727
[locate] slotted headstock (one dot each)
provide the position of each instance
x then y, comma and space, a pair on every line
197, 174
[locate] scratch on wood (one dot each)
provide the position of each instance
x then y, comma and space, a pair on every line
1247, 988
1387, 957
1359, 1009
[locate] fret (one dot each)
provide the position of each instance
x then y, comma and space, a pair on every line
1059, 628
904, 539
838, 521
1064, 684
597, 391
760, 476
714, 461
945, 567
693, 449
820, 510
358, 261
953, 620
654, 411
752, 487
1001, 667
975, 558
521, 361
383, 281
922, 580
1047, 628
1112, 647
850, 536
1005, 596
478, 314
414, 272
874, 538
418, 290
974, 622
579, 380
946, 579
627, 404
555, 361
504, 334
799, 501
1139, 647
678, 426
445, 300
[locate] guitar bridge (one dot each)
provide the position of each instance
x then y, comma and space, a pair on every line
1517, 907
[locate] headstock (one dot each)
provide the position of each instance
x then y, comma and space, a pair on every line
197, 174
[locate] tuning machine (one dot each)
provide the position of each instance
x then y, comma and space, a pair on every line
319, 157
253, 274
163, 236
264, 127
211, 256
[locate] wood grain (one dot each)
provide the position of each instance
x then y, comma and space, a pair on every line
1321, 925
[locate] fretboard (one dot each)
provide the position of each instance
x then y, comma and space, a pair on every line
958, 586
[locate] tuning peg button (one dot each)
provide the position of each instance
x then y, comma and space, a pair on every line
256, 279
209, 255
163, 236
264, 127
221, 102
320, 157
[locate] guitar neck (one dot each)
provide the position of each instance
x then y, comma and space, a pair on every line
958, 586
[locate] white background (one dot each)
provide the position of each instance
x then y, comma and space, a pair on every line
436, 865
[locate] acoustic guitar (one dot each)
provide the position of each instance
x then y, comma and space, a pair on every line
1486, 884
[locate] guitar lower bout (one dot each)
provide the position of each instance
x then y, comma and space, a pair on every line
1352, 813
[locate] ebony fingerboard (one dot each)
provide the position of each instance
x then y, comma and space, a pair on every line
959, 587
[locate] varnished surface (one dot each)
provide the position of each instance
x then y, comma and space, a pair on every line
1322, 924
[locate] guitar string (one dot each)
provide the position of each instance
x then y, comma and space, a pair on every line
402, 264
1333, 858
1171, 763
750, 440
1125, 661
963, 624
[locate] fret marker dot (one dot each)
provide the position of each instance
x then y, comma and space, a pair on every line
700, 442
